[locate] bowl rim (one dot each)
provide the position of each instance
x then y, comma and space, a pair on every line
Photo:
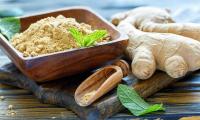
20, 55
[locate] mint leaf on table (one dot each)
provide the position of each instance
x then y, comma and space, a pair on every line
134, 103
9, 26
86, 40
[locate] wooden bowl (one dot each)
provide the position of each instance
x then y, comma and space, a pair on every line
69, 62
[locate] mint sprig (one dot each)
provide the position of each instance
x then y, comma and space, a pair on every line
88, 39
9, 26
134, 103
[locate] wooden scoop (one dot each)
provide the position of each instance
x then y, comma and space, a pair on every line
101, 82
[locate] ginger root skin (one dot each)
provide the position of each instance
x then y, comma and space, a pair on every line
151, 19
172, 53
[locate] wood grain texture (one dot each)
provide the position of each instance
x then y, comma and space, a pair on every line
61, 92
28, 107
69, 62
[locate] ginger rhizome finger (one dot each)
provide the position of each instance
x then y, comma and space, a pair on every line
150, 19
172, 53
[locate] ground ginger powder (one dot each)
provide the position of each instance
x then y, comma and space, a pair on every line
48, 35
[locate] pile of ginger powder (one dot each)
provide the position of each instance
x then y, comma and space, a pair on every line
48, 35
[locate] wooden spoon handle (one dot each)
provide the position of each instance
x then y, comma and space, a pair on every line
124, 66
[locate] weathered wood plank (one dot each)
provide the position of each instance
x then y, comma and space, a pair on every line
184, 99
61, 92
38, 113
190, 97
27, 106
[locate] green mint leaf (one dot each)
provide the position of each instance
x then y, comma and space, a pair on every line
90, 39
9, 26
86, 40
77, 35
134, 103
152, 108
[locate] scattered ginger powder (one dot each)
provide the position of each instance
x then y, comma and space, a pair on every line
48, 35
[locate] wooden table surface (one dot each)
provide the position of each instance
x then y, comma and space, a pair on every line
180, 99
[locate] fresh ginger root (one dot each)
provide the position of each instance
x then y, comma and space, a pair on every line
151, 19
176, 54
